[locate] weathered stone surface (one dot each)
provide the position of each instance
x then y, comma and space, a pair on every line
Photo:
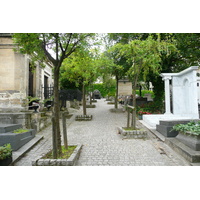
60, 162
16, 140
135, 134
83, 117
189, 140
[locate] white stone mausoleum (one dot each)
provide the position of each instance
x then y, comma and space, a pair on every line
181, 97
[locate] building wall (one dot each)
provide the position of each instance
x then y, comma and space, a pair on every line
14, 77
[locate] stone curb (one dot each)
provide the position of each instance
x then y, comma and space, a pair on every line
83, 118
25, 148
134, 134
71, 161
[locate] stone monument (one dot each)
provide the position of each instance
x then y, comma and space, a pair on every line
183, 90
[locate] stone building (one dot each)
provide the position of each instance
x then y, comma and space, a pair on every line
17, 79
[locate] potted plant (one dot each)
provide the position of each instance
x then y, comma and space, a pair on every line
34, 103
189, 134
5, 155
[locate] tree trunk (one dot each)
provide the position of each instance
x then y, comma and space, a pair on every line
64, 130
54, 139
56, 112
84, 100
133, 123
116, 95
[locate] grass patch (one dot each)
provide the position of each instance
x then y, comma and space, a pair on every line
130, 129
66, 153
20, 130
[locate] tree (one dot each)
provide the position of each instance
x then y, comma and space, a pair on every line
80, 68
145, 56
187, 54
52, 48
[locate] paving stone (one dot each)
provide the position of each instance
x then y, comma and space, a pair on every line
102, 145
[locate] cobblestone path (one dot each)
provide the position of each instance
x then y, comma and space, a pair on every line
103, 146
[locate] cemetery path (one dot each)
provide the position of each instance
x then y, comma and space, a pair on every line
103, 146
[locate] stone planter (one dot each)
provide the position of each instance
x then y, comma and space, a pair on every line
117, 110
6, 161
16, 140
90, 106
71, 161
83, 118
191, 141
134, 134
110, 102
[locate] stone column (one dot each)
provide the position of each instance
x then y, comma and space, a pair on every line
167, 94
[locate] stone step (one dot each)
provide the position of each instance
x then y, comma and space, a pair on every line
17, 140
188, 153
174, 122
4, 128
165, 126
166, 130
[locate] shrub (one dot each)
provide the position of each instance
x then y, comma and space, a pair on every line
105, 90
145, 92
151, 107
5, 151
191, 128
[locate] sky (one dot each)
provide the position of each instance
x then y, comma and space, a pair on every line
105, 16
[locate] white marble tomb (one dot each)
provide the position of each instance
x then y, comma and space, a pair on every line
184, 92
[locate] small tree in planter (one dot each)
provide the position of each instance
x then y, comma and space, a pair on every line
5, 155
80, 68
145, 56
52, 49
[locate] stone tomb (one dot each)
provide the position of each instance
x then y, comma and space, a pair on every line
16, 140
183, 90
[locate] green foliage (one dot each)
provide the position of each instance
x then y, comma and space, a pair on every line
145, 92
191, 128
5, 151
79, 68
66, 153
20, 130
66, 84
31, 99
106, 90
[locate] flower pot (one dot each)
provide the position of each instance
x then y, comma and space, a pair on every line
140, 117
6, 161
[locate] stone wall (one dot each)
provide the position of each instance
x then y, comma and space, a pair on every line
13, 76
29, 120
15, 79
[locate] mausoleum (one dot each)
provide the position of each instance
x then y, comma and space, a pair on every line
17, 79
181, 97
